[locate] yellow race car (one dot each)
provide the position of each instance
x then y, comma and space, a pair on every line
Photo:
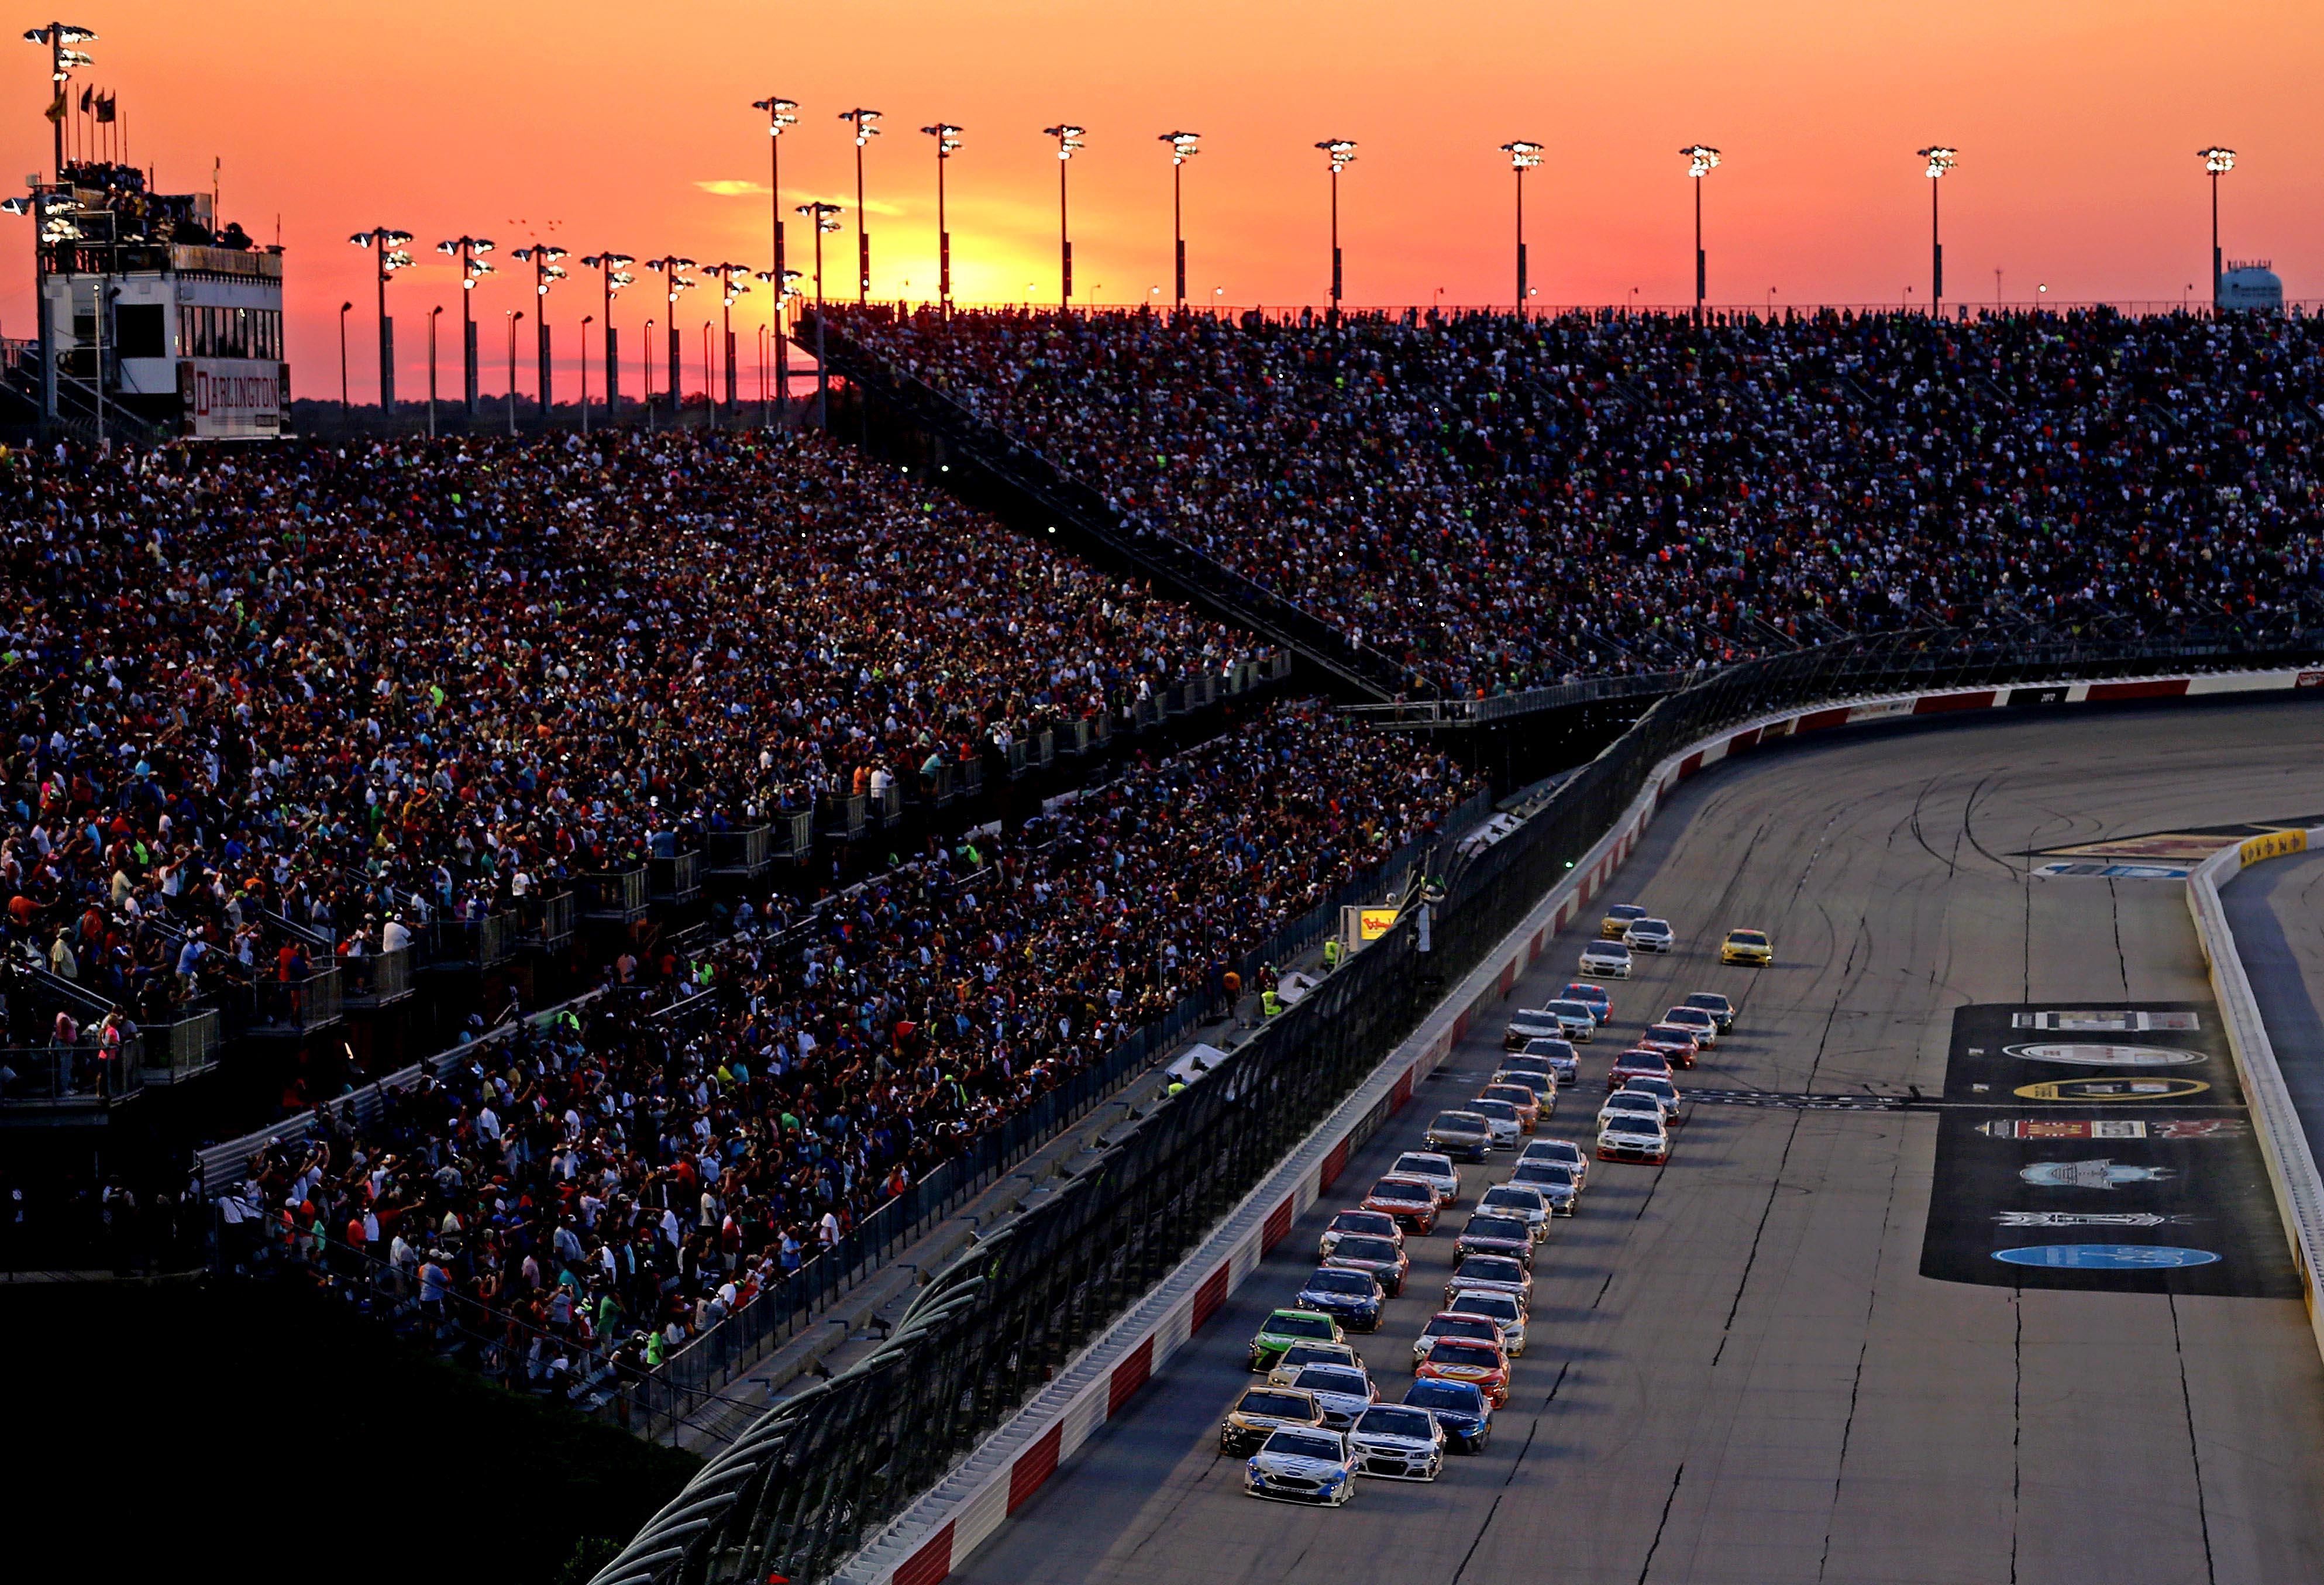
1617, 921
1746, 945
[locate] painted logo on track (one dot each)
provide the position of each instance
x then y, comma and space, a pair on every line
2113, 1088
2104, 1257
2103, 1056
2113, 1128
2084, 1219
2102, 1173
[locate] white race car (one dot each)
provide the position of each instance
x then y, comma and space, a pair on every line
1294, 1466
1611, 958
1398, 1443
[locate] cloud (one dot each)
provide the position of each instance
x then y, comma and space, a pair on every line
729, 188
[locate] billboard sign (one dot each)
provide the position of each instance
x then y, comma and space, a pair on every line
231, 398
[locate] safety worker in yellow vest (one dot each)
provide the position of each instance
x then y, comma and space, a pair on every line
1332, 953
1270, 1002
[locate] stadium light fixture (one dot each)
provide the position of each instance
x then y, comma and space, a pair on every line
1183, 146
390, 254
1701, 160
733, 280
2216, 163
867, 128
1069, 144
468, 250
546, 272
947, 138
781, 116
612, 274
1940, 160
1524, 155
672, 268
59, 37
1341, 151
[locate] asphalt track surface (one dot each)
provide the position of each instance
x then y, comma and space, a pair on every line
1736, 1371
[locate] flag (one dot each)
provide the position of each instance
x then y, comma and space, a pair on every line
86, 96
105, 107
56, 110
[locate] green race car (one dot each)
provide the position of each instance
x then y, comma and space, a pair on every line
1286, 1327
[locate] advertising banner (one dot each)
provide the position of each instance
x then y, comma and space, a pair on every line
231, 398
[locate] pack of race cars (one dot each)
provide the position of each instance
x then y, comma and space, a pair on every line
1319, 1423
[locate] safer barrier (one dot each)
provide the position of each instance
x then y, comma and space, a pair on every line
830, 1467
2291, 1169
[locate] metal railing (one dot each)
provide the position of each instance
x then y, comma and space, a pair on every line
69, 1076
614, 894
185, 1047
376, 979
296, 1006
803, 1488
747, 853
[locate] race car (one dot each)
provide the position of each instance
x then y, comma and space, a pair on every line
1462, 1136
1749, 947
1717, 1006
1481, 1365
1527, 1024
1262, 1411
1284, 1327
1564, 1152
1560, 1061
1617, 919
1522, 1200
1629, 1100
1496, 1273
1523, 1099
1697, 1022
1576, 1021
1352, 1297
1397, 1443
1608, 958
1341, 1392
1382, 1260
1364, 1224
1635, 1136
1503, 1309
1431, 1168
1674, 1041
1663, 1091
1554, 1182
1302, 1466
1506, 1124
1593, 997
1542, 1087
1649, 935
1496, 1234
1300, 1356
1452, 1323
1460, 1407
1412, 1201
1637, 1063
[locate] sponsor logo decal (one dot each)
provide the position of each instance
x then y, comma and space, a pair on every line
2106, 1256
2102, 1173
2120, 1088
2273, 845
2118, 1020
2084, 1219
2104, 1056
2113, 1128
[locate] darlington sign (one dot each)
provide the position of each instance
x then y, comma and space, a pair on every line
231, 399
2274, 845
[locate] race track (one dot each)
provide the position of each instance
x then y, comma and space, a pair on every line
1738, 1371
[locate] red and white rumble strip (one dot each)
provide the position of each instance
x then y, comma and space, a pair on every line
953, 1518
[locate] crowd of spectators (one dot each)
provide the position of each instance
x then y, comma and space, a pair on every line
615, 1182
1498, 503
352, 689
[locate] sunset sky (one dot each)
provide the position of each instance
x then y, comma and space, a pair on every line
595, 125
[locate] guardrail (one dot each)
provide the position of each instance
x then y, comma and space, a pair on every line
988, 1331
68, 1076
376, 979
2291, 1169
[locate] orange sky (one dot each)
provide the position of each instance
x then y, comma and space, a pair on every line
2076, 123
